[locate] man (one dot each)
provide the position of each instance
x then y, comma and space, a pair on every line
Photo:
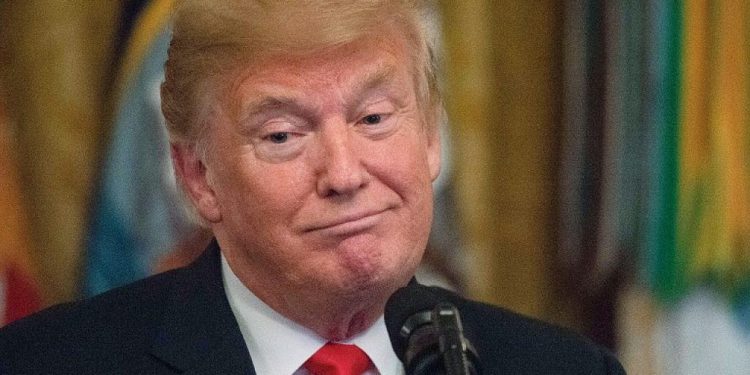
305, 135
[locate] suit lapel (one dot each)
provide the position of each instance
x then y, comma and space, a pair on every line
198, 333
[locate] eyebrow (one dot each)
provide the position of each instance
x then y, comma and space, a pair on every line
375, 78
267, 103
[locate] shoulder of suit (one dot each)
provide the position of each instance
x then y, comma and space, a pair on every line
101, 326
509, 342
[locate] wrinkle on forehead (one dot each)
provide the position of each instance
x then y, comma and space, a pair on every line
287, 80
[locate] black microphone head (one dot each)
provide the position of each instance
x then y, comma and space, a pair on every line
402, 305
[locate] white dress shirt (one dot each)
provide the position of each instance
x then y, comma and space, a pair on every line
279, 346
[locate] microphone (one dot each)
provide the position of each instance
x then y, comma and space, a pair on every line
427, 334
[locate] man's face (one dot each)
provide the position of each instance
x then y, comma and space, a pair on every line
320, 174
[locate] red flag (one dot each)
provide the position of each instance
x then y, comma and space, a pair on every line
19, 293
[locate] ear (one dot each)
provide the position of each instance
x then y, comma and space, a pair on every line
433, 150
191, 173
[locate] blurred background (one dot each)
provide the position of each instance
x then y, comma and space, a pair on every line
597, 175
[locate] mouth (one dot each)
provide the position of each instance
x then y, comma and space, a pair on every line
350, 223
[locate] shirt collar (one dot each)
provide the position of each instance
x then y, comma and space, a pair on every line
279, 346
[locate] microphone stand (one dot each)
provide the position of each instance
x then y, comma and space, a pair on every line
437, 344
453, 345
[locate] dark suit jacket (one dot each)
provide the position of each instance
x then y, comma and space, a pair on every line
181, 322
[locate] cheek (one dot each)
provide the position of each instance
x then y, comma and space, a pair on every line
273, 201
258, 194
408, 173
413, 182
408, 177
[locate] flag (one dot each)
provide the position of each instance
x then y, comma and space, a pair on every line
710, 263
714, 191
699, 228
591, 168
138, 216
674, 193
19, 293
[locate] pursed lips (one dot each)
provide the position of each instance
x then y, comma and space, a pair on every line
352, 222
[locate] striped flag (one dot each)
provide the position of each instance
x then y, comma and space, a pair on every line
699, 228
714, 190
674, 193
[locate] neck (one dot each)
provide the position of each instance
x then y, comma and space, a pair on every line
344, 326
333, 317
333, 314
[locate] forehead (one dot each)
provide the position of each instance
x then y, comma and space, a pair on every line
356, 66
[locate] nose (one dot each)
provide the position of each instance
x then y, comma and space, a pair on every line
341, 172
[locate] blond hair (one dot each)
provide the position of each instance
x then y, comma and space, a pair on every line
213, 38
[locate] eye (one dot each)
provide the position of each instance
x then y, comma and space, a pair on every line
372, 119
279, 137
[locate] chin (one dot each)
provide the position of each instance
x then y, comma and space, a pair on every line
378, 285
372, 271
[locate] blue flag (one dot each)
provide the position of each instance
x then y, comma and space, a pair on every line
138, 215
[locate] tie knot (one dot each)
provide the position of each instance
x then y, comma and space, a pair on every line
338, 359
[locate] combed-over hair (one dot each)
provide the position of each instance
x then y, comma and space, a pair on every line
214, 38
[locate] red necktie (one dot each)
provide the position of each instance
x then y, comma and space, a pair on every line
338, 359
